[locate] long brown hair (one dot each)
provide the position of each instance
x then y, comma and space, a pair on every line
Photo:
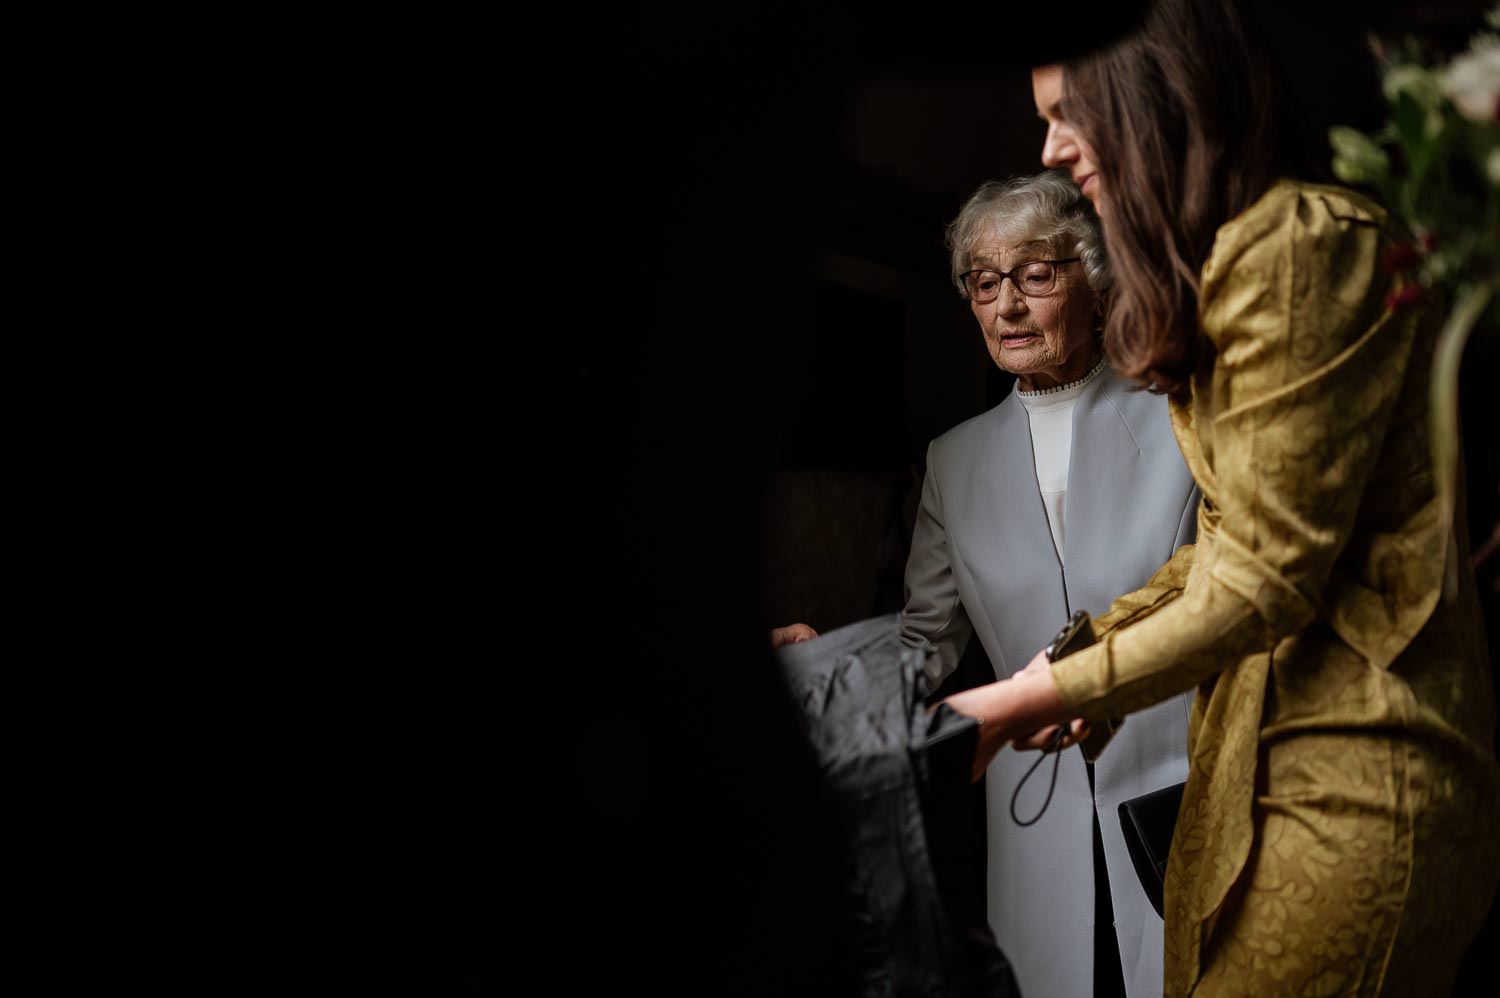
1188, 127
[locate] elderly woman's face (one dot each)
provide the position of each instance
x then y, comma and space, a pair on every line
1063, 147
1045, 340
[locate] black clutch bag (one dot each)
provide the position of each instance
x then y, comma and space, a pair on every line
1148, 822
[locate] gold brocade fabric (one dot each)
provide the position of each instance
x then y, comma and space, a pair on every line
1340, 830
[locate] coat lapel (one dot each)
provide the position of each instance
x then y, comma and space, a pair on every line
1017, 576
1126, 482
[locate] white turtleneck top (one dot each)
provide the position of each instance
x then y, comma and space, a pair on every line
1050, 413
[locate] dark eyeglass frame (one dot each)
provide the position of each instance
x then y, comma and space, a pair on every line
963, 279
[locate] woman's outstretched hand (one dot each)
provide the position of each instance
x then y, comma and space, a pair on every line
1025, 711
1042, 739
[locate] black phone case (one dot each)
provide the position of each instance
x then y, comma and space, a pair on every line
1077, 634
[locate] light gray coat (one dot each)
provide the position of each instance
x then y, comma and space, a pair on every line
983, 562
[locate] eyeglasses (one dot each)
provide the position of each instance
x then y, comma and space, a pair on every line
1033, 279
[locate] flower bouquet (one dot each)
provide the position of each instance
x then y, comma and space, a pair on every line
1436, 166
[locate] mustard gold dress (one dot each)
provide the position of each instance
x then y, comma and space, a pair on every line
1340, 830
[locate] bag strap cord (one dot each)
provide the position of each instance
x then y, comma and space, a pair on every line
1055, 748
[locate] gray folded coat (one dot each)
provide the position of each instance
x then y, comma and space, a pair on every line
898, 775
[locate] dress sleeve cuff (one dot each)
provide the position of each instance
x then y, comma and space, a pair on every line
1082, 679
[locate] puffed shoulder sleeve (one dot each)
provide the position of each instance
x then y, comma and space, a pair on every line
1309, 362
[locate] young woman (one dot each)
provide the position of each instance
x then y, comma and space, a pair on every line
1337, 833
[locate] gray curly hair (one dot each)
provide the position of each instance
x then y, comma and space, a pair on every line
1046, 207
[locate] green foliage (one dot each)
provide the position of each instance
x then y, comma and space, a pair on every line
1436, 163
1436, 166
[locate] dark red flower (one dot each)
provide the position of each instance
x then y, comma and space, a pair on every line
1400, 256
1407, 294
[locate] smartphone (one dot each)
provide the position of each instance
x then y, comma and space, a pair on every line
1076, 634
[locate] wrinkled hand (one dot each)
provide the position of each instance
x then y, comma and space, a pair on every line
791, 634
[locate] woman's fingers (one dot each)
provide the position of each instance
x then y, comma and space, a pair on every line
1046, 739
791, 634
1078, 730
1039, 740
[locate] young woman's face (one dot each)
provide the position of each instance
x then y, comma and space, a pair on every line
1064, 147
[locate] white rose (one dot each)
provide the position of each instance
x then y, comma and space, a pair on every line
1472, 80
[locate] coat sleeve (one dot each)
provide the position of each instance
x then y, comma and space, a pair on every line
1165, 585
934, 619
1309, 363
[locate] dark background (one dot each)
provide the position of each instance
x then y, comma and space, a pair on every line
533, 378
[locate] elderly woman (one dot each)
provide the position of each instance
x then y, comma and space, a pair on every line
1067, 493
1337, 831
